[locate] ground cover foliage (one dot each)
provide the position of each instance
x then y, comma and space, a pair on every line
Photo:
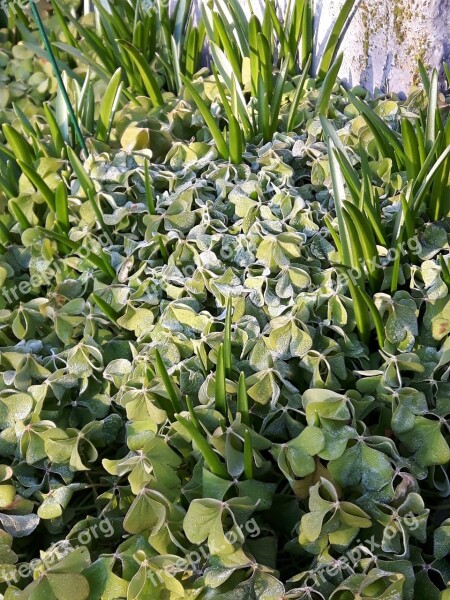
230, 317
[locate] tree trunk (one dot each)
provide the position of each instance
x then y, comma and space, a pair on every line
387, 38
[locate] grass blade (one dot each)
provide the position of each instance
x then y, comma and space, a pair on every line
231, 82
350, 175
21, 148
411, 146
361, 312
298, 96
39, 184
55, 132
229, 50
192, 54
108, 107
447, 73
98, 261
335, 236
339, 199
235, 139
19, 214
150, 84
57, 74
106, 308
430, 131
86, 184
327, 87
424, 77
265, 57
172, 392
387, 140
376, 317
263, 110
335, 39
254, 28
62, 207
208, 118
277, 97
210, 457
248, 455
295, 24
192, 414
227, 338
367, 241
307, 32
242, 400
429, 180
220, 387
444, 270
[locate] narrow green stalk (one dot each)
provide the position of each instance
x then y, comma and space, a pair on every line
62, 89
210, 457
4, 234
248, 455
170, 388
162, 249
242, 400
192, 414
99, 261
227, 339
20, 216
220, 387
106, 308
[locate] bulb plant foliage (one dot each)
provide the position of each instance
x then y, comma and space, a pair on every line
224, 329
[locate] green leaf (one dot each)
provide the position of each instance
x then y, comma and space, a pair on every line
62, 207
361, 465
21, 148
242, 400
389, 144
430, 132
171, 390
39, 184
208, 118
147, 513
227, 356
108, 106
203, 521
335, 39
220, 393
298, 96
150, 84
209, 456
248, 455
327, 87
339, 199
426, 442
442, 540
86, 184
